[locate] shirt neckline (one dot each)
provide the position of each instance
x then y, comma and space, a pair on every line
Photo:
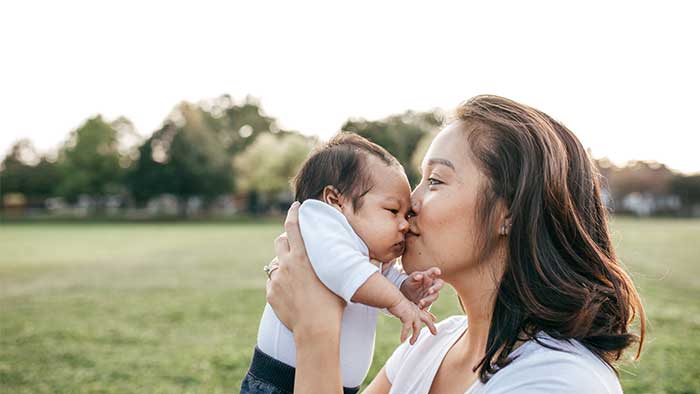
458, 334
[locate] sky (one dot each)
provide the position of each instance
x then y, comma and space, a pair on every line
622, 75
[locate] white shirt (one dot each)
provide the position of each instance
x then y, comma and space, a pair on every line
341, 261
537, 369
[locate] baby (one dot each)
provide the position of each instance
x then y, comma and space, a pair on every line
355, 199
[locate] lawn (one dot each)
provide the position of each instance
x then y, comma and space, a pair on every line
174, 307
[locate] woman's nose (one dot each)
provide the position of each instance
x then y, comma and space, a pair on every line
415, 203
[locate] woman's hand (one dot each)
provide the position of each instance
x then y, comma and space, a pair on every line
297, 296
311, 311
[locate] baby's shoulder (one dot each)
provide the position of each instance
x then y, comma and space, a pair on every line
321, 216
321, 224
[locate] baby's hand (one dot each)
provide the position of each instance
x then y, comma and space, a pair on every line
423, 287
411, 317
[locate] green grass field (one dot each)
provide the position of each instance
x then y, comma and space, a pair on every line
174, 308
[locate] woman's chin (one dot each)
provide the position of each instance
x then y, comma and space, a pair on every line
408, 261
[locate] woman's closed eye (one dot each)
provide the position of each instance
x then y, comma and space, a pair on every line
394, 211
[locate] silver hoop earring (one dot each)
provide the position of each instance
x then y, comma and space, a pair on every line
504, 230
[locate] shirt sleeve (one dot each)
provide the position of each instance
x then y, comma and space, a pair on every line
393, 364
334, 249
394, 273
551, 372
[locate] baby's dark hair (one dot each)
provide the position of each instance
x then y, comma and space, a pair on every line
341, 163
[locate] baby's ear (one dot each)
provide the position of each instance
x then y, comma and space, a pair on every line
332, 197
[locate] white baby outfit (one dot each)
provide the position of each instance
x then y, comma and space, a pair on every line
341, 261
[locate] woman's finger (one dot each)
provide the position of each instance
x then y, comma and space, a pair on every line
281, 245
269, 291
291, 226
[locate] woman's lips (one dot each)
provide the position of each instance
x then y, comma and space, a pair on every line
412, 234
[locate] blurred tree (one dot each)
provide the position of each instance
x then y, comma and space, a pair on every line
687, 187
90, 161
399, 134
266, 166
23, 171
639, 176
185, 157
236, 125
421, 150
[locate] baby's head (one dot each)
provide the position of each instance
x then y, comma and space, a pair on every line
366, 184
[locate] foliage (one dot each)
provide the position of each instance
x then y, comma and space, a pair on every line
91, 161
184, 157
399, 134
265, 168
25, 172
687, 188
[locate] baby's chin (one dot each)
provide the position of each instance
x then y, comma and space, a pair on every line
388, 257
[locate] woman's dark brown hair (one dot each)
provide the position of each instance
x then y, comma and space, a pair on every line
562, 276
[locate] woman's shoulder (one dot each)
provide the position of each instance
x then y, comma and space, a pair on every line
426, 348
445, 329
548, 365
454, 322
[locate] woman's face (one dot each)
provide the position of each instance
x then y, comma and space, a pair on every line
442, 232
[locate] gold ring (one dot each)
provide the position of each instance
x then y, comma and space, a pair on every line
269, 269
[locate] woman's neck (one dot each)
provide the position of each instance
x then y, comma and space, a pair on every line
477, 288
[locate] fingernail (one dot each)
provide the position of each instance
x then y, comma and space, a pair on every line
295, 204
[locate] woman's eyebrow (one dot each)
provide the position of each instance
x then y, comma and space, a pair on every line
443, 162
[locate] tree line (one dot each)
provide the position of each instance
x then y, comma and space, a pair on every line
206, 150
223, 148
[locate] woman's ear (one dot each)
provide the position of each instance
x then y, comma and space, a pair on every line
332, 197
505, 220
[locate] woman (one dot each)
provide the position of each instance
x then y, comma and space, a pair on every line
509, 208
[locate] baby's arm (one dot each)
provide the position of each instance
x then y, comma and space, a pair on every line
378, 292
334, 251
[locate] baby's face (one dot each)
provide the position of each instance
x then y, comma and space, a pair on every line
381, 219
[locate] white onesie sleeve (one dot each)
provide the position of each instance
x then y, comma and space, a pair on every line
338, 255
394, 273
